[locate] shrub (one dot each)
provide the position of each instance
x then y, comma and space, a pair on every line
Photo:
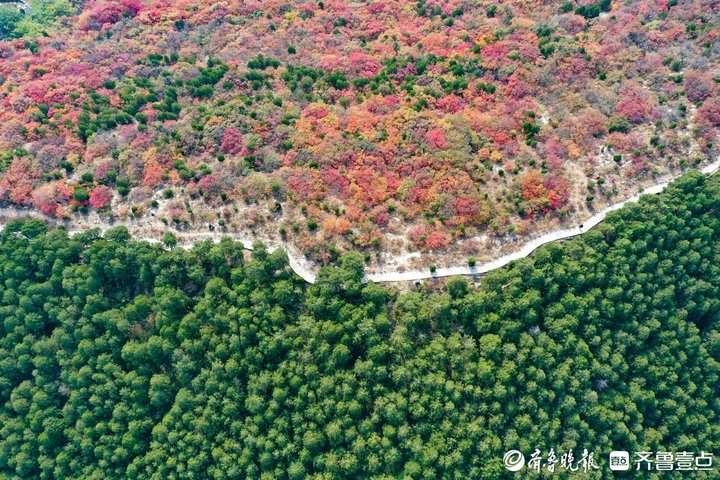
618, 124
260, 62
80, 194
169, 240
9, 17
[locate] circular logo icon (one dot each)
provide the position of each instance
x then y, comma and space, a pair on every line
514, 460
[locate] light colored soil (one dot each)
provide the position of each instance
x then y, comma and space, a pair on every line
400, 267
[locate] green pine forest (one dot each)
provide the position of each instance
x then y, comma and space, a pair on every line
126, 360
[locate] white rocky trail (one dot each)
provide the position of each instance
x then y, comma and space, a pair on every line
306, 270
527, 248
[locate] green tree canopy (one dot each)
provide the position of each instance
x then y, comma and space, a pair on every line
123, 359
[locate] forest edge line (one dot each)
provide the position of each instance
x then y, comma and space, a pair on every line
308, 272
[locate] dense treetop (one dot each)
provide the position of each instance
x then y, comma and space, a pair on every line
342, 122
121, 359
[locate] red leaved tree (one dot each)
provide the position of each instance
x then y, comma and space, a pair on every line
232, 141
100, 197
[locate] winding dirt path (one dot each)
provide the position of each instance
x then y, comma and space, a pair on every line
308, 271
529, 247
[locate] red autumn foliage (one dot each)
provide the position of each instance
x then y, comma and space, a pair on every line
532, 185
49, 197
436, 138
450, 104
17, 183
336, 226
698, 86
466, 207
417, 234
100, 197
558, 191
427, 112
209, 185
363, 64
437, 240
232, 141
102, 170
107, 12
153, 173
635, 104
709, 113
336, 182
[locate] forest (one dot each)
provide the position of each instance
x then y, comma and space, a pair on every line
344, 126
123, 359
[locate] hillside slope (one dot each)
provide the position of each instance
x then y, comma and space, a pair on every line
390, 126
